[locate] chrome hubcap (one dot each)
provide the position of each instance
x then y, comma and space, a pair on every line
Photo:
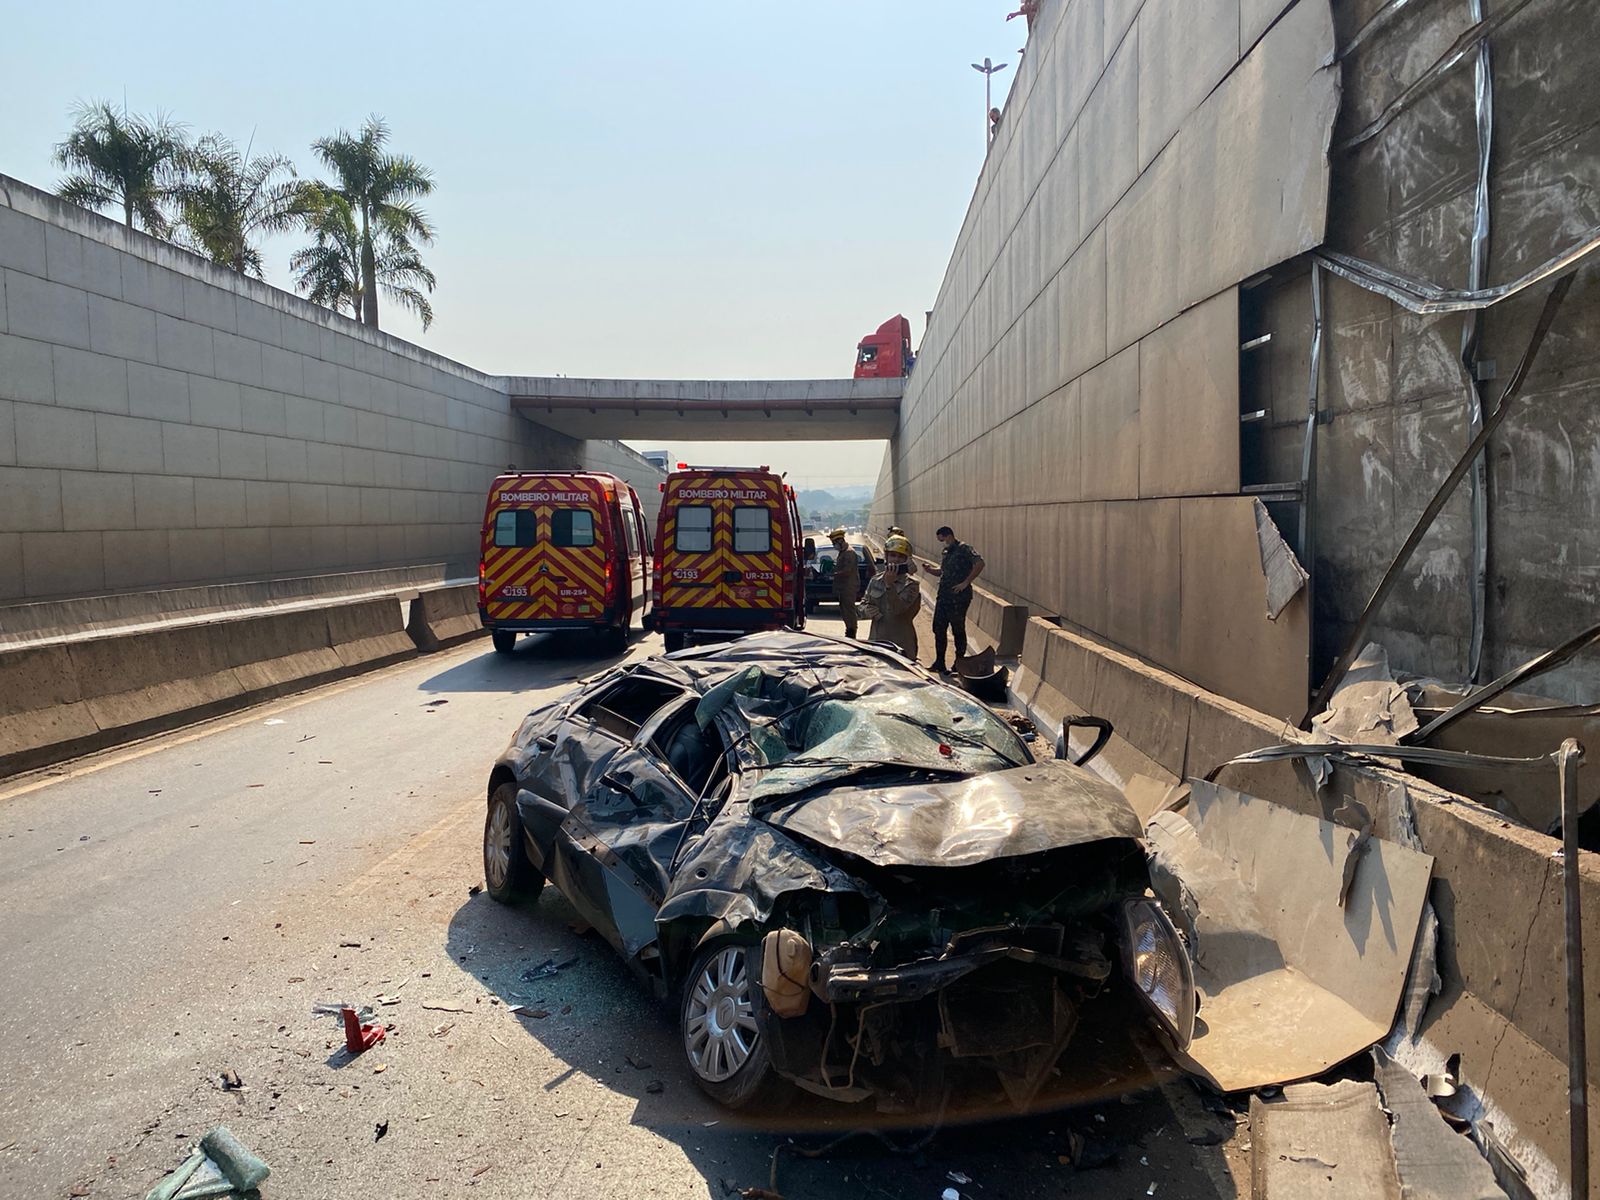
497, 847
719, 1028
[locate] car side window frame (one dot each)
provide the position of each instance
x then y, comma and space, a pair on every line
585, 707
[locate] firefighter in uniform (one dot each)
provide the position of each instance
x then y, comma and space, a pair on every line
846, 580
893, 598
958, 567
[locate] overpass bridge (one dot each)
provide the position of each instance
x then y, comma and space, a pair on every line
708, 410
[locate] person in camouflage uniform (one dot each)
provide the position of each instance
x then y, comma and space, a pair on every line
958, 567
893, 598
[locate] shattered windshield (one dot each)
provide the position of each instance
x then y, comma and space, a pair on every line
815, 727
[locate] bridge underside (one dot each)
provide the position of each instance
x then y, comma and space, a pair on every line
708, 410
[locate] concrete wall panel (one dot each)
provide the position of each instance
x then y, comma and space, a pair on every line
203, 398
1189, 402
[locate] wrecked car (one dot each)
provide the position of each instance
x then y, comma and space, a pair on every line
851, 876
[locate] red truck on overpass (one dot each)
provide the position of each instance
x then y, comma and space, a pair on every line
886, 354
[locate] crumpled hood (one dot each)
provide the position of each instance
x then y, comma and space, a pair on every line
1000, 814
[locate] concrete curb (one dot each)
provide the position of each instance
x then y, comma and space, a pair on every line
66, 699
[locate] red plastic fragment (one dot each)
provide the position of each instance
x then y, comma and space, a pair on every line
359, 1037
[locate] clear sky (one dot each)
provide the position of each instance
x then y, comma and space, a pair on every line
690, 190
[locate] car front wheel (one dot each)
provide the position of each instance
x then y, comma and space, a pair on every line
721, 1036
507, 873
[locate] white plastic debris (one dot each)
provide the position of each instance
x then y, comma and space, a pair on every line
949, 1194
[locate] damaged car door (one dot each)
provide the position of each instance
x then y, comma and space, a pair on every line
587, 774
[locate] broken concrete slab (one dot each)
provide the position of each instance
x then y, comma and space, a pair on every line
1324, 1141
1433, 1161
1258, 889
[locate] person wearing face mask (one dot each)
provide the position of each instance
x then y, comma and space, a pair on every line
958, 567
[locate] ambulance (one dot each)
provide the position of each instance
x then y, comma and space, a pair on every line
562, 550
728, 555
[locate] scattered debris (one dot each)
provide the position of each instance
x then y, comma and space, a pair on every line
450, 1008
349, 945
440, 1030
274, 721
546, 969
523, 1010
655, 1087
304, 841
380, 1130
949, 1194
759, 1193
380, 1068
636, 1064
958, 1177
231, 1081
475, 889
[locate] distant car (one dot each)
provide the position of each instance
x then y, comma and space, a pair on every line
852, 877
819, 573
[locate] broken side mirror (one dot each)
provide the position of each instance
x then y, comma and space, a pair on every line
1064, 742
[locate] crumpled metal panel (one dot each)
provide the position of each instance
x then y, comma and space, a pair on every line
1004, 814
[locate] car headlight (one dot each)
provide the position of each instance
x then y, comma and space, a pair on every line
1159, 966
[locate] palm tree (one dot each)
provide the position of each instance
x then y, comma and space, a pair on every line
122, 159
380, 190
227, 199
330, 270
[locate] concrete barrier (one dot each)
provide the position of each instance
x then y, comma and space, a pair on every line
71, 697
444, 616
51, 619
1496, 888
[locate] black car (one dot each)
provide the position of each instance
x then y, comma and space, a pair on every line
819, 573
851, 876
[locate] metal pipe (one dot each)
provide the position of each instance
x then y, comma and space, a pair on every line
1441, 496
1308, 461
1470, 336
1549, 660
1425, 299
1567, 759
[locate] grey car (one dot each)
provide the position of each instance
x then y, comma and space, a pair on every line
849, 876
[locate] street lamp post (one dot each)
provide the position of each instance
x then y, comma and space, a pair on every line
989, 71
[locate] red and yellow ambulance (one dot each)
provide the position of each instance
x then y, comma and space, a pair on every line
562, 550
727, 554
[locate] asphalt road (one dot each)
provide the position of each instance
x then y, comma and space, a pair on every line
173, 910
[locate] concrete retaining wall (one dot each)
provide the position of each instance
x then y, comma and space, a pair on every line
67, 698
165, 421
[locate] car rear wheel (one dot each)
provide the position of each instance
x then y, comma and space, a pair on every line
508, 874
505, 641
721, 1036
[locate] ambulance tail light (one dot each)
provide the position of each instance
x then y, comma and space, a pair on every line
655, 585
483, 587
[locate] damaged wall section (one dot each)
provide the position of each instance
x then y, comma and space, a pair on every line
1076, 398
1395, 392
